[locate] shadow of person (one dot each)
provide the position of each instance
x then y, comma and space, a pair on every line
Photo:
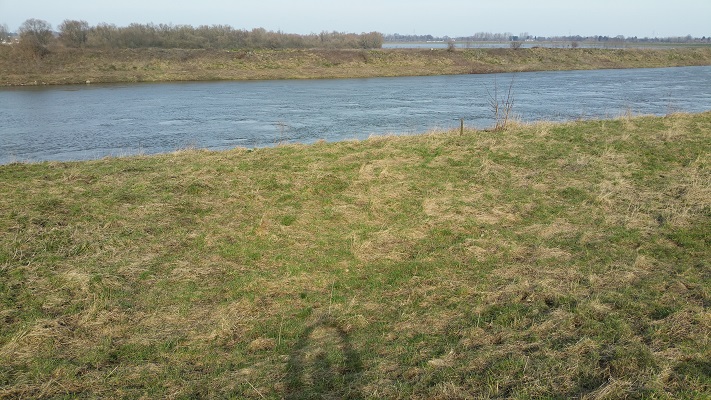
323, 364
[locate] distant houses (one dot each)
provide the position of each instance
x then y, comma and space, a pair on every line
11, 38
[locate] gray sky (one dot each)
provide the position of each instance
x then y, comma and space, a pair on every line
437, 17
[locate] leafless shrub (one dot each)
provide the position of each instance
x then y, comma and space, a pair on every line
35, 37
73, 33
501, 107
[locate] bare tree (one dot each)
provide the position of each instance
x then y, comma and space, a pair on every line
35, 36
36, 30
372, 40
103, 35
4, 33
451, 45
74, 33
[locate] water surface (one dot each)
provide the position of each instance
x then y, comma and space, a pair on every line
94, 121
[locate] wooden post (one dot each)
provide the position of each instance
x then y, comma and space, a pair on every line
461, 126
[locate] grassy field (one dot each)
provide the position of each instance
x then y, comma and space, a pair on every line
540, 261
71, 66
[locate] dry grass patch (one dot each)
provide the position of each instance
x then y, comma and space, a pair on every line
76, 66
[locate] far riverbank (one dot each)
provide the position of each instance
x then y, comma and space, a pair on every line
80, 66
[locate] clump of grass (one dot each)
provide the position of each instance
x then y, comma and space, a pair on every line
549, 260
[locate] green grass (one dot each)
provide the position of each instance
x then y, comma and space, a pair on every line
540, 261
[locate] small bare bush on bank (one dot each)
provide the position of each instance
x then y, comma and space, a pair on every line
501, 107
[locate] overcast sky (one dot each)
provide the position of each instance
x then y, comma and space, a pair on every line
640, 18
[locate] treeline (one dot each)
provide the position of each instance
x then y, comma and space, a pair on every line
477, 37
629, 39
525, 36
79, 34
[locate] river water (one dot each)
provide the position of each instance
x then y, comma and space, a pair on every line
94, 121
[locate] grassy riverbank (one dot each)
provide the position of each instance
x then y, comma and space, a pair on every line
562, 260
69, 66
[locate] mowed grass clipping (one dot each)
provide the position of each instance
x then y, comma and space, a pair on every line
548, 260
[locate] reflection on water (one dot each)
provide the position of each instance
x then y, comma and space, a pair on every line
93, 121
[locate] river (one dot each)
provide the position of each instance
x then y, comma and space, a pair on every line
93, 121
